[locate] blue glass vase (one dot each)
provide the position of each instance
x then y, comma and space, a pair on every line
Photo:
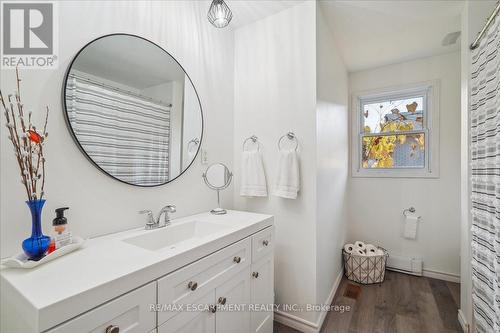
36, 246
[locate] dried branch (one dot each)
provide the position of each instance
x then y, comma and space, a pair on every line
27, 143
18, 80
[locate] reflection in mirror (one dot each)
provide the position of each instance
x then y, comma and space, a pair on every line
218, 177
133, 110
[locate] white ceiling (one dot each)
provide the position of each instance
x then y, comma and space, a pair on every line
248, 11
372, 33
146, 64
376, 33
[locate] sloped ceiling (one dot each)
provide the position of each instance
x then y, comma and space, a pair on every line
248, 11
376, 33
372, 33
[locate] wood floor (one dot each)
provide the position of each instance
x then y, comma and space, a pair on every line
402, 304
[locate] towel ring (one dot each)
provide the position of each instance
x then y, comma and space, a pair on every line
409, 210
194, 141
254, 139
290, 136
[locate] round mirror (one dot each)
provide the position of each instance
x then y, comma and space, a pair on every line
133, 110
218, 177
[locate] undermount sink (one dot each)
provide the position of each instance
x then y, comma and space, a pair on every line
171, 235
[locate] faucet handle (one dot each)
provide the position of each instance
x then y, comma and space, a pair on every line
172, 208
151, 221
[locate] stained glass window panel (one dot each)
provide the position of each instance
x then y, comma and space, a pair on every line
393, 151
393, 115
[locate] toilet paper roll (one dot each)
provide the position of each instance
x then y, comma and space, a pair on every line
411, 225
380, 252
359, 252
371, 249
349, 248
360, 245
360, 260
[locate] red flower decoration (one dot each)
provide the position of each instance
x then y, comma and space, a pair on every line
34, 136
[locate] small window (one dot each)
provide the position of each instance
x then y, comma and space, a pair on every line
392, 133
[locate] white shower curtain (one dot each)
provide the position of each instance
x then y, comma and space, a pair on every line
127, 136
485, 168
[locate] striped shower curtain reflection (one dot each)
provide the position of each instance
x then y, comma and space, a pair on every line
126, 135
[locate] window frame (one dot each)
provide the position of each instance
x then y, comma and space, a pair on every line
430, 128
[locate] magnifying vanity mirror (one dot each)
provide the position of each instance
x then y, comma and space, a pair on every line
133, 110
217, 177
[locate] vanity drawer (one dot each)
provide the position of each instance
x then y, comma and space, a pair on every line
187, 284
130, 313
262, 243
198, 320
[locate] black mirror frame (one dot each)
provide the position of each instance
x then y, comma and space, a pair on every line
73, 135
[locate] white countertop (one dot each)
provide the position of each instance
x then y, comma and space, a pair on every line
107, 267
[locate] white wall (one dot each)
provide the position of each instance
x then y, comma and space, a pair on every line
332, 158
176, 129
171, 92
191, 123
376, 205
163, 92
289, 77
100, 204
275, 92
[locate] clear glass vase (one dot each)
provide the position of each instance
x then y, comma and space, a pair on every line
36, 246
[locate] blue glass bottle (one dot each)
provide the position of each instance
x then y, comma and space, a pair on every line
36, 246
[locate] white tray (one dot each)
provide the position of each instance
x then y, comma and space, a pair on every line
21, 260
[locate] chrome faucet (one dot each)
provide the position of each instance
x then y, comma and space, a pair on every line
166, 210
153, 223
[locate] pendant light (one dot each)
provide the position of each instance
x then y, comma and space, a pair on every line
219, 14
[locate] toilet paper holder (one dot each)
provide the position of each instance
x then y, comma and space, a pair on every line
410, 210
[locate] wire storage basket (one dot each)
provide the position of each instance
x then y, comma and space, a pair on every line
365, 269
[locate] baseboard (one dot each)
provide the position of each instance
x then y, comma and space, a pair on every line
441, 275
295, 322
304, 325
329, 300
463, 321
402, 271
431, 274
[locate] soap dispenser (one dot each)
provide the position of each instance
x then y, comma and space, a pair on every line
62, 235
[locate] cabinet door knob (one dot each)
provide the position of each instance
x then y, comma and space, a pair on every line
112, 329
212, 308
255, 274
222, 300
265, 242
192, 285
237, 260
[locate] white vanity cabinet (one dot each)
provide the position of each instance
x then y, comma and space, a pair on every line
226, 286
262, 281
201, 321
221, 283
129, 313
185, 286
262, 297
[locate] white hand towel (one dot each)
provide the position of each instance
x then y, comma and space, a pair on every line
410, 231
287, 179
253, 177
